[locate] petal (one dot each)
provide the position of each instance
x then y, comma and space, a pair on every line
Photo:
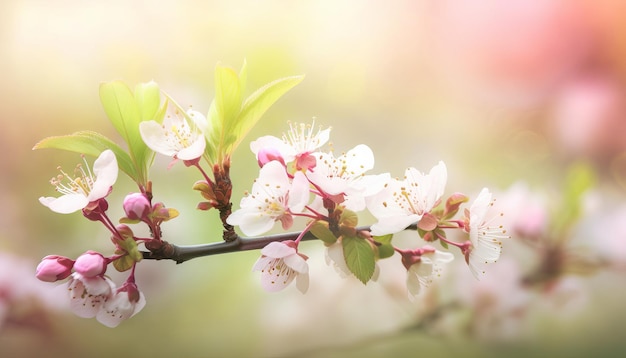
438, 176
479, 207
261, 263
393, 224
116, 310
277, 277
273, 174
65, 204
302, 282
413, 284
199, 120
251, 223
194, 151
297, 263
334, 254
155, 138
299, 193
287, 152
359, 159
97, 285
278, 250
105, 169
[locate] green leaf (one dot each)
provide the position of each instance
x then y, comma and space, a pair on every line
125, 112
148, 98
321, 231
259, 102
129, 246
580, 178
349, 218
359, 257
227, 95
243, 76
89, 143
120, 106
124, 263
385, 249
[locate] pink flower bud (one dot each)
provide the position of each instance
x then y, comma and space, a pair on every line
91, 264
53, 268
266, 155
136, 206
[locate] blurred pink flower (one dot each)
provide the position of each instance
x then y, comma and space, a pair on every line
590, 117
280, 263
498, 303
21, 292
509, 51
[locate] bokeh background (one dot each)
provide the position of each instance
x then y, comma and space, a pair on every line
509, 94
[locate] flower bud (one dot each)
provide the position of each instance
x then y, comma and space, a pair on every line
266, 155
136, 206
53, 268
91, 264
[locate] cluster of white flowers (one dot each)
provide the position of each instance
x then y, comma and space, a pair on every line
297, 178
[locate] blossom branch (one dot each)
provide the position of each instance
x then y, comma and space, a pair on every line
182, 253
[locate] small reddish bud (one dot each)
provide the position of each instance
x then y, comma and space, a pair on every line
53, 268
136, 206
91, 264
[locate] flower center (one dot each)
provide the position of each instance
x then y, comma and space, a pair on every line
302, 137
81, 183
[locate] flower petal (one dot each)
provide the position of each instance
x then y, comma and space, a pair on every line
65, 204
278, 250
155, 138
297, 263
105, 169
194, 151
302, 282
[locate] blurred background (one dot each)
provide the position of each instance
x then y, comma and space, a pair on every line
510, 95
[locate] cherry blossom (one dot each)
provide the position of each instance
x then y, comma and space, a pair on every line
297, 144
126, 302
404, 202
274, 197
279, 264
86, 187
343, 179
486, 246
421, 273
88, 294
175, 137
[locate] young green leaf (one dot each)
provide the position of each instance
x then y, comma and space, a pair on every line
259, 102
120, 106
126, 111
359, 257
148, 98
320, 230
89, 143
385, 249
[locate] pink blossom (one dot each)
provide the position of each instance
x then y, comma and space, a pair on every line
280, 263
88, 294
86, 187
126, 302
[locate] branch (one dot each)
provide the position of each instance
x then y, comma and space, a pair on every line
180, 254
